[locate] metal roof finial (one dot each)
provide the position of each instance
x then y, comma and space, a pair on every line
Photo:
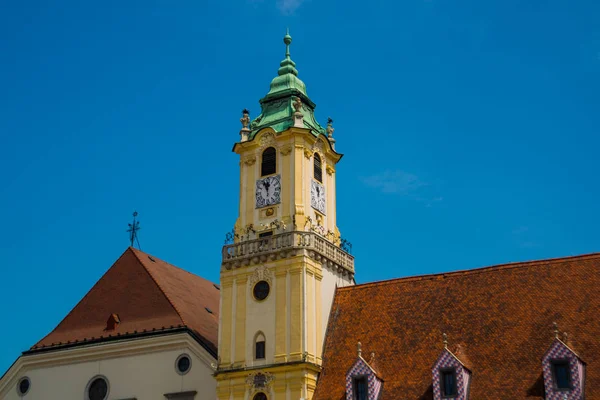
445, 340
359, 345
555, 330
565, 337
133, 229
287, 39
287, 66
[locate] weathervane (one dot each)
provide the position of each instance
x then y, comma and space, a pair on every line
133, 229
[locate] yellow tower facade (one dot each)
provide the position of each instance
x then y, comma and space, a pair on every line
279, 274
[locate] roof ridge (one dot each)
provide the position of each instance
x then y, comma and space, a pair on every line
79, 302
479, 270
173, 266
156, 282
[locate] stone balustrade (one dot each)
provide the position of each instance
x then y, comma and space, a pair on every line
280, 245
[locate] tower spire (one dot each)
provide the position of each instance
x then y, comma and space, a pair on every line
285, 88
287, 66
287, 39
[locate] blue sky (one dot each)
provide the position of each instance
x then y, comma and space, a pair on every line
470, 131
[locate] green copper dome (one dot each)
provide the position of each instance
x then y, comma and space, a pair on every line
277, 109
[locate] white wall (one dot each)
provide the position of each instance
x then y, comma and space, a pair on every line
331, 280
260, 316
143, 376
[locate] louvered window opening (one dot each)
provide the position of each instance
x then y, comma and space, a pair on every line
269, 162
318, 169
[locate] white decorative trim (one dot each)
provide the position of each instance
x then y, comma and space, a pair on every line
259, 382
319, 146
261, 273
266, 139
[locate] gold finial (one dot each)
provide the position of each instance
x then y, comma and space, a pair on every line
359, 349
372, 357
445, 340
565, 337
555, 330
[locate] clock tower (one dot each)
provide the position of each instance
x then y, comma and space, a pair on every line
285, 256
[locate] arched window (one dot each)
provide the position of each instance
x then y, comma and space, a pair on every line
259, 346
318, 169
269, 162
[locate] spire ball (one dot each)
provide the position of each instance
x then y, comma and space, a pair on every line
287, 39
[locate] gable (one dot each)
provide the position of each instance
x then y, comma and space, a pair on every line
147, 295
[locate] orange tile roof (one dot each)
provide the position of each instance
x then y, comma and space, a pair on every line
148, 295
498, 321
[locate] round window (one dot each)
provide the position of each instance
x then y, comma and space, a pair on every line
97, 389
23, 386
183, 364
261, 290
260, 396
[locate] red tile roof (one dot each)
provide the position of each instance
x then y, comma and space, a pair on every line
148, 295
498, 321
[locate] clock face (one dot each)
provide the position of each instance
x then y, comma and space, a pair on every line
317, 196
268, 191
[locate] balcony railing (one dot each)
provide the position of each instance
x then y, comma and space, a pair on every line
296, 240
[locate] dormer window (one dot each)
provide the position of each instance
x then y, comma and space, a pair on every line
268, 165
563, 370
448, 382
361, 388
562, 376
112, 322
451, 378
363, 382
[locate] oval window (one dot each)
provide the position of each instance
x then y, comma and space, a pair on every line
261, 290
23, 386
97, 389
183, 364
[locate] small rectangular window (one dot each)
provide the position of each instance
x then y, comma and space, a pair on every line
562, 376
448, 381
360, 388
260, 350
318, 171
269, 162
